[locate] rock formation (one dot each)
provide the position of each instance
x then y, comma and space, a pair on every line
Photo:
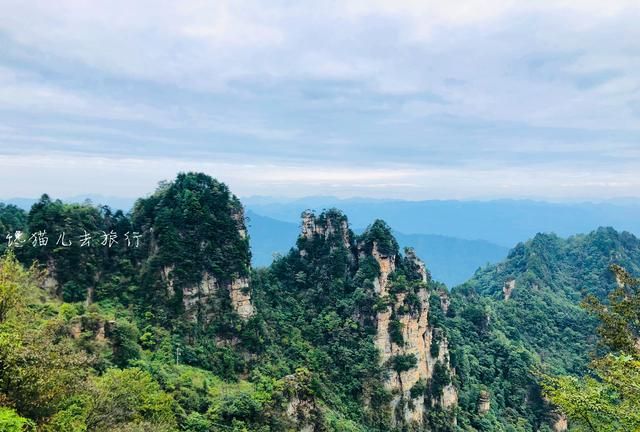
508, 288
484, 402
408, 317
404, 337
559, 422
325, 226
201, 258
241, 298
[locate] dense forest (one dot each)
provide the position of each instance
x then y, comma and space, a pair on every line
155, 321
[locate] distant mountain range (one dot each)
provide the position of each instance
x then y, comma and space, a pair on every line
453, 237
503, 222
450, 260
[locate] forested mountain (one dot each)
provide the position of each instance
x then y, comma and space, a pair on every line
450, 260
525, 315
154, 321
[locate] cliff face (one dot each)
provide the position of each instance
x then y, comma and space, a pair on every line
403, 335
407, 315
329, 226
201, 299
198, 242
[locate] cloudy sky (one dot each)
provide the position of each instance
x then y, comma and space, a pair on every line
416, 100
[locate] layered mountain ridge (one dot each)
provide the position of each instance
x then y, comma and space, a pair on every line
344, 332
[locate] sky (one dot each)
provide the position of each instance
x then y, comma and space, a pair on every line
412, 100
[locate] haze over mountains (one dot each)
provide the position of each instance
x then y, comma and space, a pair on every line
504, 222
455, 238
451, 260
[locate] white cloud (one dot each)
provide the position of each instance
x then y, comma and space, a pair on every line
208, 43
131, 177
379, 82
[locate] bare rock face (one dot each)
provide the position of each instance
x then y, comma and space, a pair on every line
417, 337
194, 297
199, 299
168, 280
449, 397
508, 288
484, 402
308, 225
445, 302
328, 225
238, 288
387, 266
559, 422
241, 298
383, 340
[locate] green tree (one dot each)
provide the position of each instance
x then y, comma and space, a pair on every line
14, 284
129, 396
10, 421
608, 399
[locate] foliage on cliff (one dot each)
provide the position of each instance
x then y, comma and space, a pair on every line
317, 304
193, 228
131, 359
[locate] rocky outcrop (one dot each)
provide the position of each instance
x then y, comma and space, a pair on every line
308, 225
417, 336
559, 422
165, 273
241, 297
195, 297
404, 336
98, 328
239, 289
445, 301
416, 339
387, 266
302, 411
238, 216
508, 288
418, 264
449, 398
328, 225
484, 402
200, 300
198, 260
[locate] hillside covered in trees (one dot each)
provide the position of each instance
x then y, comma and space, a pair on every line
155, 321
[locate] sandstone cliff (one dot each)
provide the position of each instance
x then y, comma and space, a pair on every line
410, 348
201, 298
416, 339
198, 257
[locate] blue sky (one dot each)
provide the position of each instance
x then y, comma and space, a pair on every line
418, 100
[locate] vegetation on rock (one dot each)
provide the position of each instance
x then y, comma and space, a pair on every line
152, 337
